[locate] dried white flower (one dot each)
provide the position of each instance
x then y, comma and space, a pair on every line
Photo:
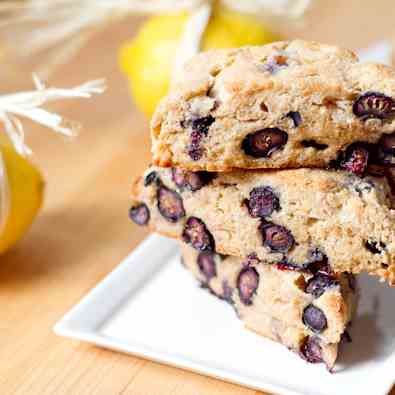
62, 27
191, 39
29, 105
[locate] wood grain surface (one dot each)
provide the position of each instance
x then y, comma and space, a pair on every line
83, 231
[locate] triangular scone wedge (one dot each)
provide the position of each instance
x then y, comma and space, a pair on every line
290, 104
301, 217
307, 313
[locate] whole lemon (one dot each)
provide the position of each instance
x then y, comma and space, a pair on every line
26, 187
147, 59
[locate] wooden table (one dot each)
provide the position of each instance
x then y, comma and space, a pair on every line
83, 231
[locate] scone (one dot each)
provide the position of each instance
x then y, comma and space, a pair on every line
283, 105
308, 313
299, 217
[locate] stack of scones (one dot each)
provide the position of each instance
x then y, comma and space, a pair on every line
272, 166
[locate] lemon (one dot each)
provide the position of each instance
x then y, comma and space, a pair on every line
26, 187
147, 59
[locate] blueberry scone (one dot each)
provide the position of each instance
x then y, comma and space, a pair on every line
306, 311
299, 218
283, 105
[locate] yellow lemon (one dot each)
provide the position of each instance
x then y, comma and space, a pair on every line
26, 187
147, 59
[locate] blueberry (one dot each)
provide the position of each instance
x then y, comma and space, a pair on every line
179, 176
317, 255
314, 318
319, 283
263, 143
151, 178
314, 144
203, 124
311, 350
356, 159
195, 151
196, 233
262, 202
296, 118
252, 259
170, 204
373, 105
275, 63
375, 247
318, 262
200, 128
196, 137
247, 284
386, 149
185, 179
207, 266
276, 237
139, 214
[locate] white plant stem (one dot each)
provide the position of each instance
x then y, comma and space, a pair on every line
191, 39
29, 105
41, 25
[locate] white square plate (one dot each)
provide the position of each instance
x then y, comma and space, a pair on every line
169, 318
